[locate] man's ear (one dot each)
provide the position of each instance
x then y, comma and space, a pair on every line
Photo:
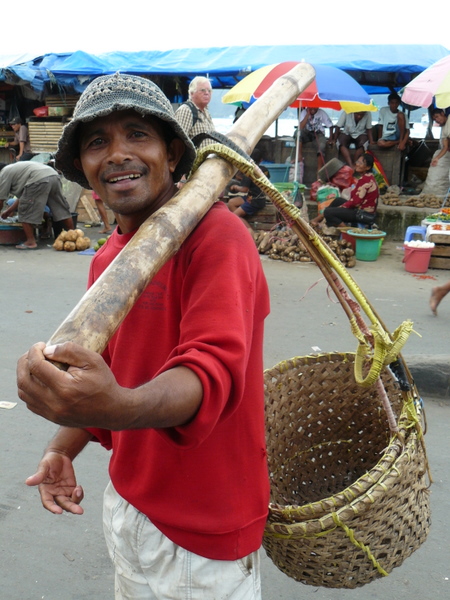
77, 163
175, 151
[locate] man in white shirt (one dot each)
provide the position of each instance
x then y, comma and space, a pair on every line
313, 122
353, 128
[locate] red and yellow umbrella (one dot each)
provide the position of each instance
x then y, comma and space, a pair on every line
332, 88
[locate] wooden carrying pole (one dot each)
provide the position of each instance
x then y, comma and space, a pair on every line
99, 313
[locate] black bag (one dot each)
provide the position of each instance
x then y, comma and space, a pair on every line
366, 218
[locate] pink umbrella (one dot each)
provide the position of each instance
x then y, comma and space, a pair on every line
433, 82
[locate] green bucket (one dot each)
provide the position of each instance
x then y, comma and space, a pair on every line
367, 249
368, 246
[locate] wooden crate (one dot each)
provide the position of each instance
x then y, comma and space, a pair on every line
44, 135
68, 100
440, 255
87, 211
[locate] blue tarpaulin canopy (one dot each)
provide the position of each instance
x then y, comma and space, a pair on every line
379, 68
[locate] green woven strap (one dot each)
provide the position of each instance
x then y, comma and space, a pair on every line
382, 348
351, 536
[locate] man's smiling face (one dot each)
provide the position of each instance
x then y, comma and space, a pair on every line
127, 161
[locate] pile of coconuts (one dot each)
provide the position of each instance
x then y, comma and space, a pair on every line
285, 246
72, 240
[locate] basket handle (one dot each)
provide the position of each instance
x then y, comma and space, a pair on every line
379, 345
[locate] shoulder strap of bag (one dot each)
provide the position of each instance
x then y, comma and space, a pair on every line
194, 111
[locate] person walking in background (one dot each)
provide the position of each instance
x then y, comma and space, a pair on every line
437, 294
102, 212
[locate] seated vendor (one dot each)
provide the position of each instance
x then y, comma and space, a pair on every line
250, 198
362, 206
313, 123
21, 143
353, 128
393, 125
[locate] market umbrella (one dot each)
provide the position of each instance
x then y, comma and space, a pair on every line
332, 88
433, 82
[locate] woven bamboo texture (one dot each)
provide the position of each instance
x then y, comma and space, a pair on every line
349, 501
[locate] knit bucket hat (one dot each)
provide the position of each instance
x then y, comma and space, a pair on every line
112, 93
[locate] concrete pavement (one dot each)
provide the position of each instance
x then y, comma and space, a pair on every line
64, 558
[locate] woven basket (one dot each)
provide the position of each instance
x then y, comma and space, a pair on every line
349, 500
349, 496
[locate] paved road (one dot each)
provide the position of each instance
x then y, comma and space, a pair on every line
63, 557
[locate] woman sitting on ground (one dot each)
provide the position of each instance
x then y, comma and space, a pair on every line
362, 206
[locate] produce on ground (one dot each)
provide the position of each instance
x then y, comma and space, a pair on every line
365, 232
100, 243
393, 197
442, 216
285, 246
71, 240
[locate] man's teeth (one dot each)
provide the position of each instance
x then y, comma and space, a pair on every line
114, 179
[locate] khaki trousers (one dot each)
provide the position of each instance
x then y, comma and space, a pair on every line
151, 567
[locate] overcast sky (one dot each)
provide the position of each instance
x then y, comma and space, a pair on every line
135, 25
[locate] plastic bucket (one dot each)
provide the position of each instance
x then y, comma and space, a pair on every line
349, 238
368, 248
279, 172
417, 260
11, 235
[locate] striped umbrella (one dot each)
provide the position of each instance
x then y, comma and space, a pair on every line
433, 82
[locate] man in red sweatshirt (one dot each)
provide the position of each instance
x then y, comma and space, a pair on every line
178, 393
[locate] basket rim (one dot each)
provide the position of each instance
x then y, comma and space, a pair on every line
345, 496
318, 509
357, 507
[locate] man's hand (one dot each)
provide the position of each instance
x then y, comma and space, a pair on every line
88, 395
57, 484
83, 396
